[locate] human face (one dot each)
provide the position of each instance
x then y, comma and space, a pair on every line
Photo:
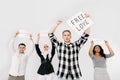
97, 49
21, 48
66, 37
46, 47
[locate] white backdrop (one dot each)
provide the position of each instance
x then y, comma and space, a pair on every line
39, 15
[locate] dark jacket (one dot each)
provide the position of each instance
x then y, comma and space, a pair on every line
46, 66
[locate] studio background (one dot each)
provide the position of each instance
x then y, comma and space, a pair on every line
40, 15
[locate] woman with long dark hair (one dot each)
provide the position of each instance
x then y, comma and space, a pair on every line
99, 60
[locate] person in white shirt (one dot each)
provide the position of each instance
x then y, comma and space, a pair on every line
19, 61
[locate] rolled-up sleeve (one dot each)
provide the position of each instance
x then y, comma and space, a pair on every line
82, 40
109, 55
53, 39
92, 56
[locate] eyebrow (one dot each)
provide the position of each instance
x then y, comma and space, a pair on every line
45, 46
21, 47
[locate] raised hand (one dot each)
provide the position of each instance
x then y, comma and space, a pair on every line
16, 34
38, 38
87, 31
106, 42
30, 36
92, 42
87, 15
59, 22
52, 30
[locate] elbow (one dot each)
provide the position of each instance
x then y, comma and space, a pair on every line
90, 52
113, 53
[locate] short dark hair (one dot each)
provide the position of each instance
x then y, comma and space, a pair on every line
22, 44
66, 31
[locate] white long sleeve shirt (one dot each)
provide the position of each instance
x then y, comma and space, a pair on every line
18, 65
19, 61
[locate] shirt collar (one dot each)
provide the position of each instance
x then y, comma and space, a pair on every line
66, 44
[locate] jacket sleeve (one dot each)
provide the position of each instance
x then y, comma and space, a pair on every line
52, 52
38, 50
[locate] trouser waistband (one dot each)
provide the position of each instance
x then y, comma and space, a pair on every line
15, 76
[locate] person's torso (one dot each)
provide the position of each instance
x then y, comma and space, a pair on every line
68, 60
18, 65
45, 66
99, 62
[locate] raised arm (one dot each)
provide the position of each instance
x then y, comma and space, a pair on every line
52, 30
51, 35
37, 46
31, 40
91, 48
11, 44
83, 39
52, 52
110, 49
38, 38
87, 31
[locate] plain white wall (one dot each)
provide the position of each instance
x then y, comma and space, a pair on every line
39, 15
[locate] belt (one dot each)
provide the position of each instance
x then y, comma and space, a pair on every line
15, 76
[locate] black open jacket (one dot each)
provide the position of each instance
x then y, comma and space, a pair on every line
46, 66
